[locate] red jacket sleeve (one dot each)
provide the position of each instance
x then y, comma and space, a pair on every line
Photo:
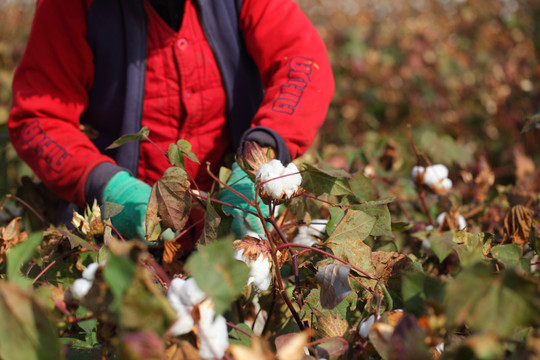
50, 92
295, 70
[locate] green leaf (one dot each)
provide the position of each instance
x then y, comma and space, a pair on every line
362, 188
336, 214
238, 337
472, 248
20, 254
177, 152
356, 225
417, 288
383, 222
510, 255
110, 210
320, 182
218, 273
141, 135
488, 301
534, 241
442, 244
75, 240
26, 329
118, 273
145, 307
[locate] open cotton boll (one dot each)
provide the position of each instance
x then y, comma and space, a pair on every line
90, 272
365, 325
213, 334
80, 288
184, 295
462, 224
259, 270
279, 181
304, 237
435, 174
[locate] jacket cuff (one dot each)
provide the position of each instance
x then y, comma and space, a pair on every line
267, 137
97, 180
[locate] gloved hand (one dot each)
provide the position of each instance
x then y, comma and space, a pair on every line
243, 221
133, 194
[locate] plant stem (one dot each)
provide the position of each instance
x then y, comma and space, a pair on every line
422, 195
294, 260
72, 252
230, 324
9, 196
329, 255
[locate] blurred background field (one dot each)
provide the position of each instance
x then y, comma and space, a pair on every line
463, 74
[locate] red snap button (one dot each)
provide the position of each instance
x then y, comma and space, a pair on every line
182, 44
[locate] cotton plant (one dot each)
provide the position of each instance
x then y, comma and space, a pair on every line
434, 177
277, 182
196, 312
443, 220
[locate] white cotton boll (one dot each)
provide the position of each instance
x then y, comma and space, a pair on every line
446, 184
259, 274
462, 224
191, 294
365, 325
275, 183
183, 324
440, 347
304, 237
317, 227
213, 334
292, 181
90, 272
259, 270
435, 174
80, 288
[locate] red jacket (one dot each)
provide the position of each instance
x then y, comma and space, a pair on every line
53, 80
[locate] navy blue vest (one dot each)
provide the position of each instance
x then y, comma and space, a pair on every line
117, 36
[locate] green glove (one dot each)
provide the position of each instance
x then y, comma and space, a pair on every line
243, 221
133, 194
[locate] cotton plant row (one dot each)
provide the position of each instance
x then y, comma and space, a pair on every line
265, 254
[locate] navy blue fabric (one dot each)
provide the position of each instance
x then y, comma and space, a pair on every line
117, 36
267, 137
240, 76
116, 33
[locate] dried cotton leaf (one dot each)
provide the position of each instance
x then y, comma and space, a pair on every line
334, 282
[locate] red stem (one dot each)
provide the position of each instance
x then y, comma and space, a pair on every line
327, 254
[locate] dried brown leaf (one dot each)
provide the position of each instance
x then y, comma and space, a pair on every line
259, 350
293, 347
390, 265
181, 350
334, 282
517, 225
173, 198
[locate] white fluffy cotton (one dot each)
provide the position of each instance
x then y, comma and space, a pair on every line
365, 325
259, 270
275, 184
81, 286
308, 234
462, 224
213, 335
434, 176
184, 296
